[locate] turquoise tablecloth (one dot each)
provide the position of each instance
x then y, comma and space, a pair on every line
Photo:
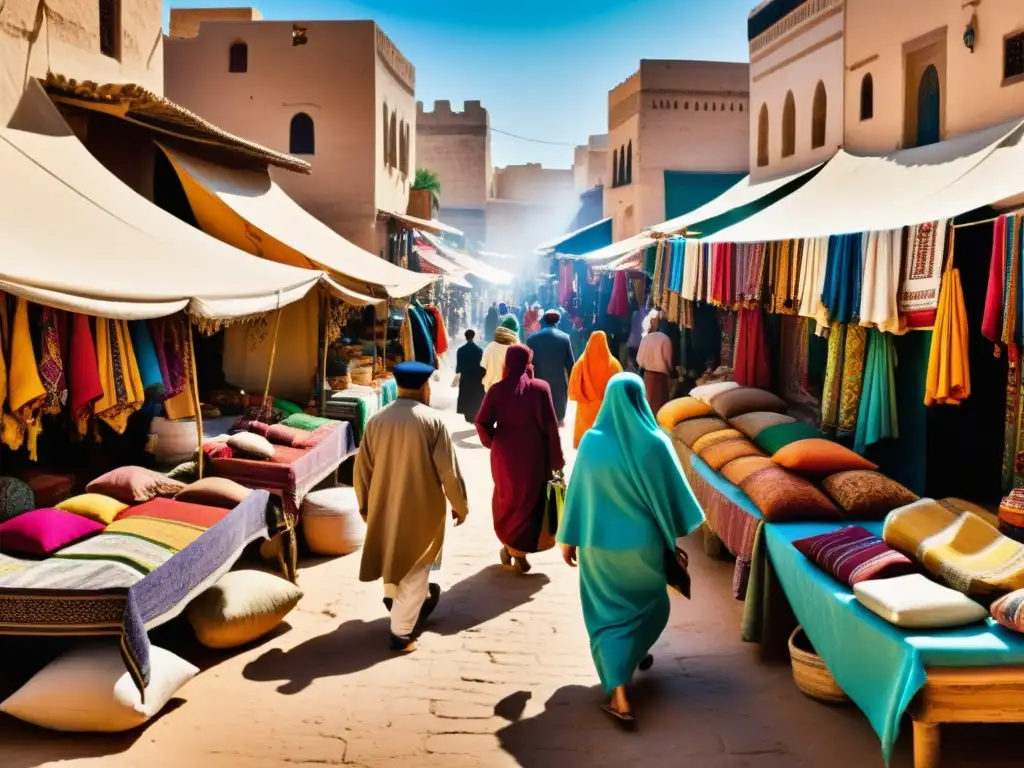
878, 665
388, 392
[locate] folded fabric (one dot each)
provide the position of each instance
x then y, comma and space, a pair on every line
705, 392
250, 425
753, 424
865, 495
961, 550
706, 441
42, 532
681, 409
287, 407
853, 555
725, 451
739, 469
736, 402
818, 456
217, 450
917, 602
783, 497
1009, 610
123, 393
774, 439
306, 421
690, 431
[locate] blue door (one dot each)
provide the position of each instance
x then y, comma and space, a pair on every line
929, 102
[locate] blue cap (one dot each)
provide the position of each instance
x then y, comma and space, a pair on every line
412, 375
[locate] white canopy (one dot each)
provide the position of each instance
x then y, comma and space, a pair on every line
73, 236
450, 271
472, 265
430, 225
626, 247
239, 205
911, 186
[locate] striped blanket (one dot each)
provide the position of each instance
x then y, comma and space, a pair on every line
141, 572
958, 547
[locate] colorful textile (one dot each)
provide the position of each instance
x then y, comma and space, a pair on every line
883, 257
25, 391
42, 532
123, 394
785, 497
867, 495
963, 551
51, 364
843, 274
133, 485
793, 351
626, 505
773, 439
877, 419
422, 336
517, 422
992, 320
813, 269
853, 555
16, 498
170, 337
922, 273
844, 379
145, 356
949, 375
752, 366
1009, 611
618, 303
307, 422
440, 336
590, 376
1009, 333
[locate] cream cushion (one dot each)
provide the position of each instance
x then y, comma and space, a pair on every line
917, 602
331, 524
251, 445
89, 689
242, 607
705, 392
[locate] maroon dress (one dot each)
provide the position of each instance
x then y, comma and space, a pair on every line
517, 422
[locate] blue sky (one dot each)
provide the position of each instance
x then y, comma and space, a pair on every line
542, 68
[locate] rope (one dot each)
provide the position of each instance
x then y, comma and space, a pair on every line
265, 409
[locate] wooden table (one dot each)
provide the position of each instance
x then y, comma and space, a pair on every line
963, 695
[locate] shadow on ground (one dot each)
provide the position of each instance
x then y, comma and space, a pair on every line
462, 440
358, 645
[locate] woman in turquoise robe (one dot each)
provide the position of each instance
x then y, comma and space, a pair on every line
626, 504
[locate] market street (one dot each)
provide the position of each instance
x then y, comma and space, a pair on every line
503, 677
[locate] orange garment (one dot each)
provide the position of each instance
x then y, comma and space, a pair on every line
440, 332
949, 375
589, 380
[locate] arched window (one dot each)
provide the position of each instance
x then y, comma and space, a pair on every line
675, 105
929, 107
762, 137
741, 107
819, 116
615, 168
401, 146
622, 166
386, 144
408, 148
654, 104
714, 107
867, 97
629, 162
705, 106
238, 58
301, 139
789, 126
393, 140
686, 105
732, 106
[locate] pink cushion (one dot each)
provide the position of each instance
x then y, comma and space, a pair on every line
44, 531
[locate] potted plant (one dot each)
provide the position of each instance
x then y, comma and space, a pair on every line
424, 194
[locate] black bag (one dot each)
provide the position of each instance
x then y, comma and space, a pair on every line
676, 574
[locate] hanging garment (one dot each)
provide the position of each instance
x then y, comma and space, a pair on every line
618, 303
691, 255
587, 383
878, 420
722, 290
922, 273
173, 352
752, 367
842, 291
813, 269
440, 335
882, 265
657, 282
793, 351
949, 376
565, 284
51, 363
123, 394
422, 336
992, 320
84, 385
25, 390
1010, 433
145, 356
844, 379
727, 331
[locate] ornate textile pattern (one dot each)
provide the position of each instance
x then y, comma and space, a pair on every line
51, 367
844, 379
922, 273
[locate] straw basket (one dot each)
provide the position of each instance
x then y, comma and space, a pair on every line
810, 673
361, 376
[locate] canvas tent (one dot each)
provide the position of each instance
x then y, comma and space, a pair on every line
580, 241
473, 266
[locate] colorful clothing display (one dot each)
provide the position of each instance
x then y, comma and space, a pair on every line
992, 320
84, 385
877, 420
922, 273
813, 269
25, 391
51, 364
883, 260
844, 379
841, 294
123, 394
618, 304
752, 367
949, 376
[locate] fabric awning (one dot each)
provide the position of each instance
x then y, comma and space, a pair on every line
472, 265
73, 236
433, 225
875, 194
449, 270
630, 262
583, 240
248, 210
626, 247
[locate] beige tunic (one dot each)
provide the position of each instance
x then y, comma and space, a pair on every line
405, 467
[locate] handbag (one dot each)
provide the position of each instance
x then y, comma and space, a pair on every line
554, 502
455, 381
676, 574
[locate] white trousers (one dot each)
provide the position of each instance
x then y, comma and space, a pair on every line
408, 596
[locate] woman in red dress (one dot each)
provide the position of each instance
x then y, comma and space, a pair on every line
517, 422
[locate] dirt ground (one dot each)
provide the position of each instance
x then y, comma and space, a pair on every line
503, 677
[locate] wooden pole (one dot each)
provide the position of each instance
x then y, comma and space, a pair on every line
270, 366
197, 404
326, 311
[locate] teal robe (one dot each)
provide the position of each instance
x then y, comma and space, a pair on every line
626, 504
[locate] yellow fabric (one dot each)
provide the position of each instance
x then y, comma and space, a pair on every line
116, 407
405, 337
95, 506
170, 533
240, 608
960, 549
24, 387
589, 380
949, 375
3, 351
181, 406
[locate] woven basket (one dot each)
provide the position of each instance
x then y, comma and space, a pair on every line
361, 376
810, 673
339, 383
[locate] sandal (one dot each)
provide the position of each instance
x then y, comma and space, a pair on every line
625, 720
522, 565
506, 558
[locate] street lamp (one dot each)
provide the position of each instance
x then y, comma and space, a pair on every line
970, 34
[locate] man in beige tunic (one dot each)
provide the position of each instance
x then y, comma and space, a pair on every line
405, 468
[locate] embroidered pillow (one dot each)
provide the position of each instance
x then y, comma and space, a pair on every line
705, 392
681, 409
736, 402
251, 445
916, 602
690, 431
214, 492
818, 456
773, 439
705, 441
16, 498
42, 532
1008, 610
753, 424
95, 506
737, 470
725, 451
783, 497
867, 495
853, 555
134, 485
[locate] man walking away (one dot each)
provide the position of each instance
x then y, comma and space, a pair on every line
405, 468
553, 360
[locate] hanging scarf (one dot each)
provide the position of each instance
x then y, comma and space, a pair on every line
722, 290
691, 255
793, 351
440, 332
752, 367
949, 375
659, 271
170, 339
991, 324
877, 420
882, 264
843, 272
26, 394
123, 394
844, 379
51, 365
813, 269
84, 385
922, 273
145, 356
